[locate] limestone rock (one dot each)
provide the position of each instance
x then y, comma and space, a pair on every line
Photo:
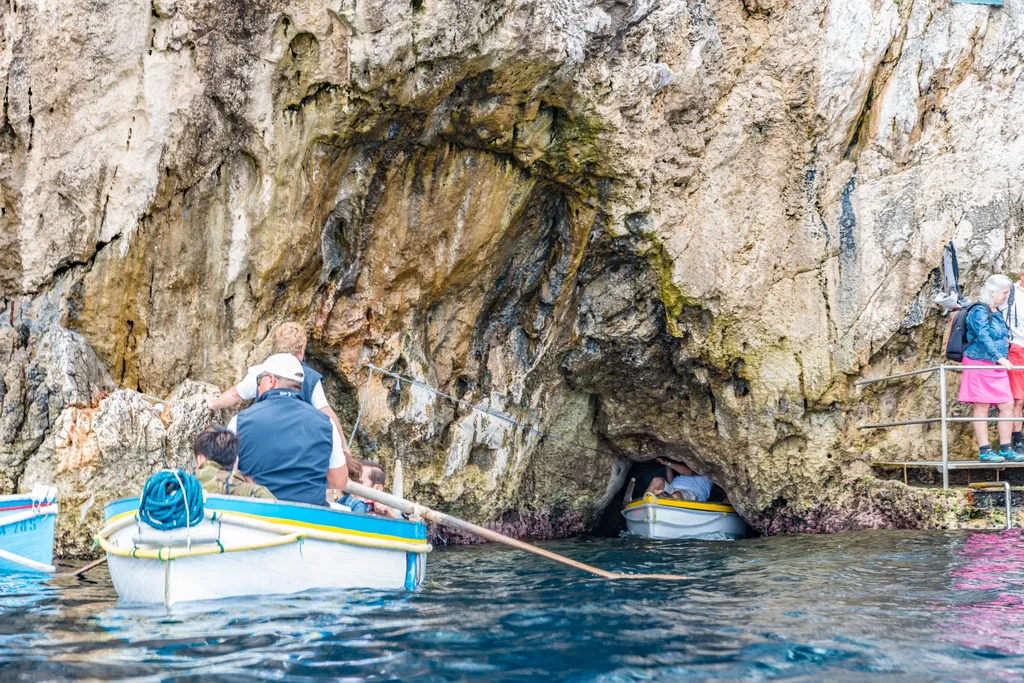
97, 454
48, 372
675, 228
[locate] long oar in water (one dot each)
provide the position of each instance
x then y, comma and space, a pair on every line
411, 508
81, 570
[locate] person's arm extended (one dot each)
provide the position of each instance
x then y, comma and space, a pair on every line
337, 469
228, 399
676, 467
329, 412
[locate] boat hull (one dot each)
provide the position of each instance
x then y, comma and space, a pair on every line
249, 566
667, 519
26, 531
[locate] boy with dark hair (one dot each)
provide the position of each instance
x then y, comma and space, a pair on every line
373, 476
216, 450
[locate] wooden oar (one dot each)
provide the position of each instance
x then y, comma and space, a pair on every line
410, 508
82, 570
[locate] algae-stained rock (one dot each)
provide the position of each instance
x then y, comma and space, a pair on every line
100, 453
648, 229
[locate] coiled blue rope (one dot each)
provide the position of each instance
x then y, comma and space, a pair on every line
171, 499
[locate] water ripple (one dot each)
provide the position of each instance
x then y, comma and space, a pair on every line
894, 605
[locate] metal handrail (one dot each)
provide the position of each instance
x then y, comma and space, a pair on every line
954, 368
903, 423
862, 382
944, 418
1005, 485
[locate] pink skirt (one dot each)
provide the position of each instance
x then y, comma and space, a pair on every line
984, 386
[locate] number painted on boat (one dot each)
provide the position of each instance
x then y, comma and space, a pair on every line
19, 527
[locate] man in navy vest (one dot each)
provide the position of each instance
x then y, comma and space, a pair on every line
285, 443
288, 338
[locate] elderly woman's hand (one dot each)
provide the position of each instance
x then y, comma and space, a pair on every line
1005, 362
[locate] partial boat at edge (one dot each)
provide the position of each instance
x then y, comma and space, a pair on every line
27, 522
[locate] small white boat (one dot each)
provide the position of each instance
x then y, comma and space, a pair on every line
27, 522
668, 518
250, 546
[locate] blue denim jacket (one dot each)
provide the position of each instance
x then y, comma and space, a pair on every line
354, 504
987, 336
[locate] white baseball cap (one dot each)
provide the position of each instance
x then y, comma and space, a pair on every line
284, 365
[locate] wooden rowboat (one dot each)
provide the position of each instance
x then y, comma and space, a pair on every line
667, 518
27, 522
248, 546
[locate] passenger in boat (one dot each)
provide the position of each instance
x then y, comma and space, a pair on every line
285, 443
1013, 313
374, 477
216, 450
988, 346
341, 499
681, 483
290, 338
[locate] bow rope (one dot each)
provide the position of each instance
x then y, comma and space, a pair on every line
171, 499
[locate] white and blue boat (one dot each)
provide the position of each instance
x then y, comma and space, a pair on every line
251, 546
668, 518
27, 522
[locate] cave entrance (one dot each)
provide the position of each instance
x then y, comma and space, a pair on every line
611, 522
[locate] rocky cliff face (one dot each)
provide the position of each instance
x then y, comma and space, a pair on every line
675, 228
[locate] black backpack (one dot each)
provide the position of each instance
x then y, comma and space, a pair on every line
956, 334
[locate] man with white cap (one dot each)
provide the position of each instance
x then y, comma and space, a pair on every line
285, 443
289, 337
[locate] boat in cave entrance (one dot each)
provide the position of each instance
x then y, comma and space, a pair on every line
668, 518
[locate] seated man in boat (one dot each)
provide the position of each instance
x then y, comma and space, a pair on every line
367, 473
373, 476
681, 483
290, 338
285, 443
216, 450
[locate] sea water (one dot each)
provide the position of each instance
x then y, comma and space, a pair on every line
896, 605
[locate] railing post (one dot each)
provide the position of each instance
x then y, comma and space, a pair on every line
1009, 506
942, 420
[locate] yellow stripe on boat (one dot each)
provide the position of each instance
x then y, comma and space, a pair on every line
322, 527
301, 525
687, 504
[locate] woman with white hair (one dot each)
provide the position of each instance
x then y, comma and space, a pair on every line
988, 346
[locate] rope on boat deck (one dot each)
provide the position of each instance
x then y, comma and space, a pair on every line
171, 499
486, 411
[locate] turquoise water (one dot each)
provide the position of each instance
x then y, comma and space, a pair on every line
901, 605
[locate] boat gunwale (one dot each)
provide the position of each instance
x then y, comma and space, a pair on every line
410, 532
12, 497
693, 506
